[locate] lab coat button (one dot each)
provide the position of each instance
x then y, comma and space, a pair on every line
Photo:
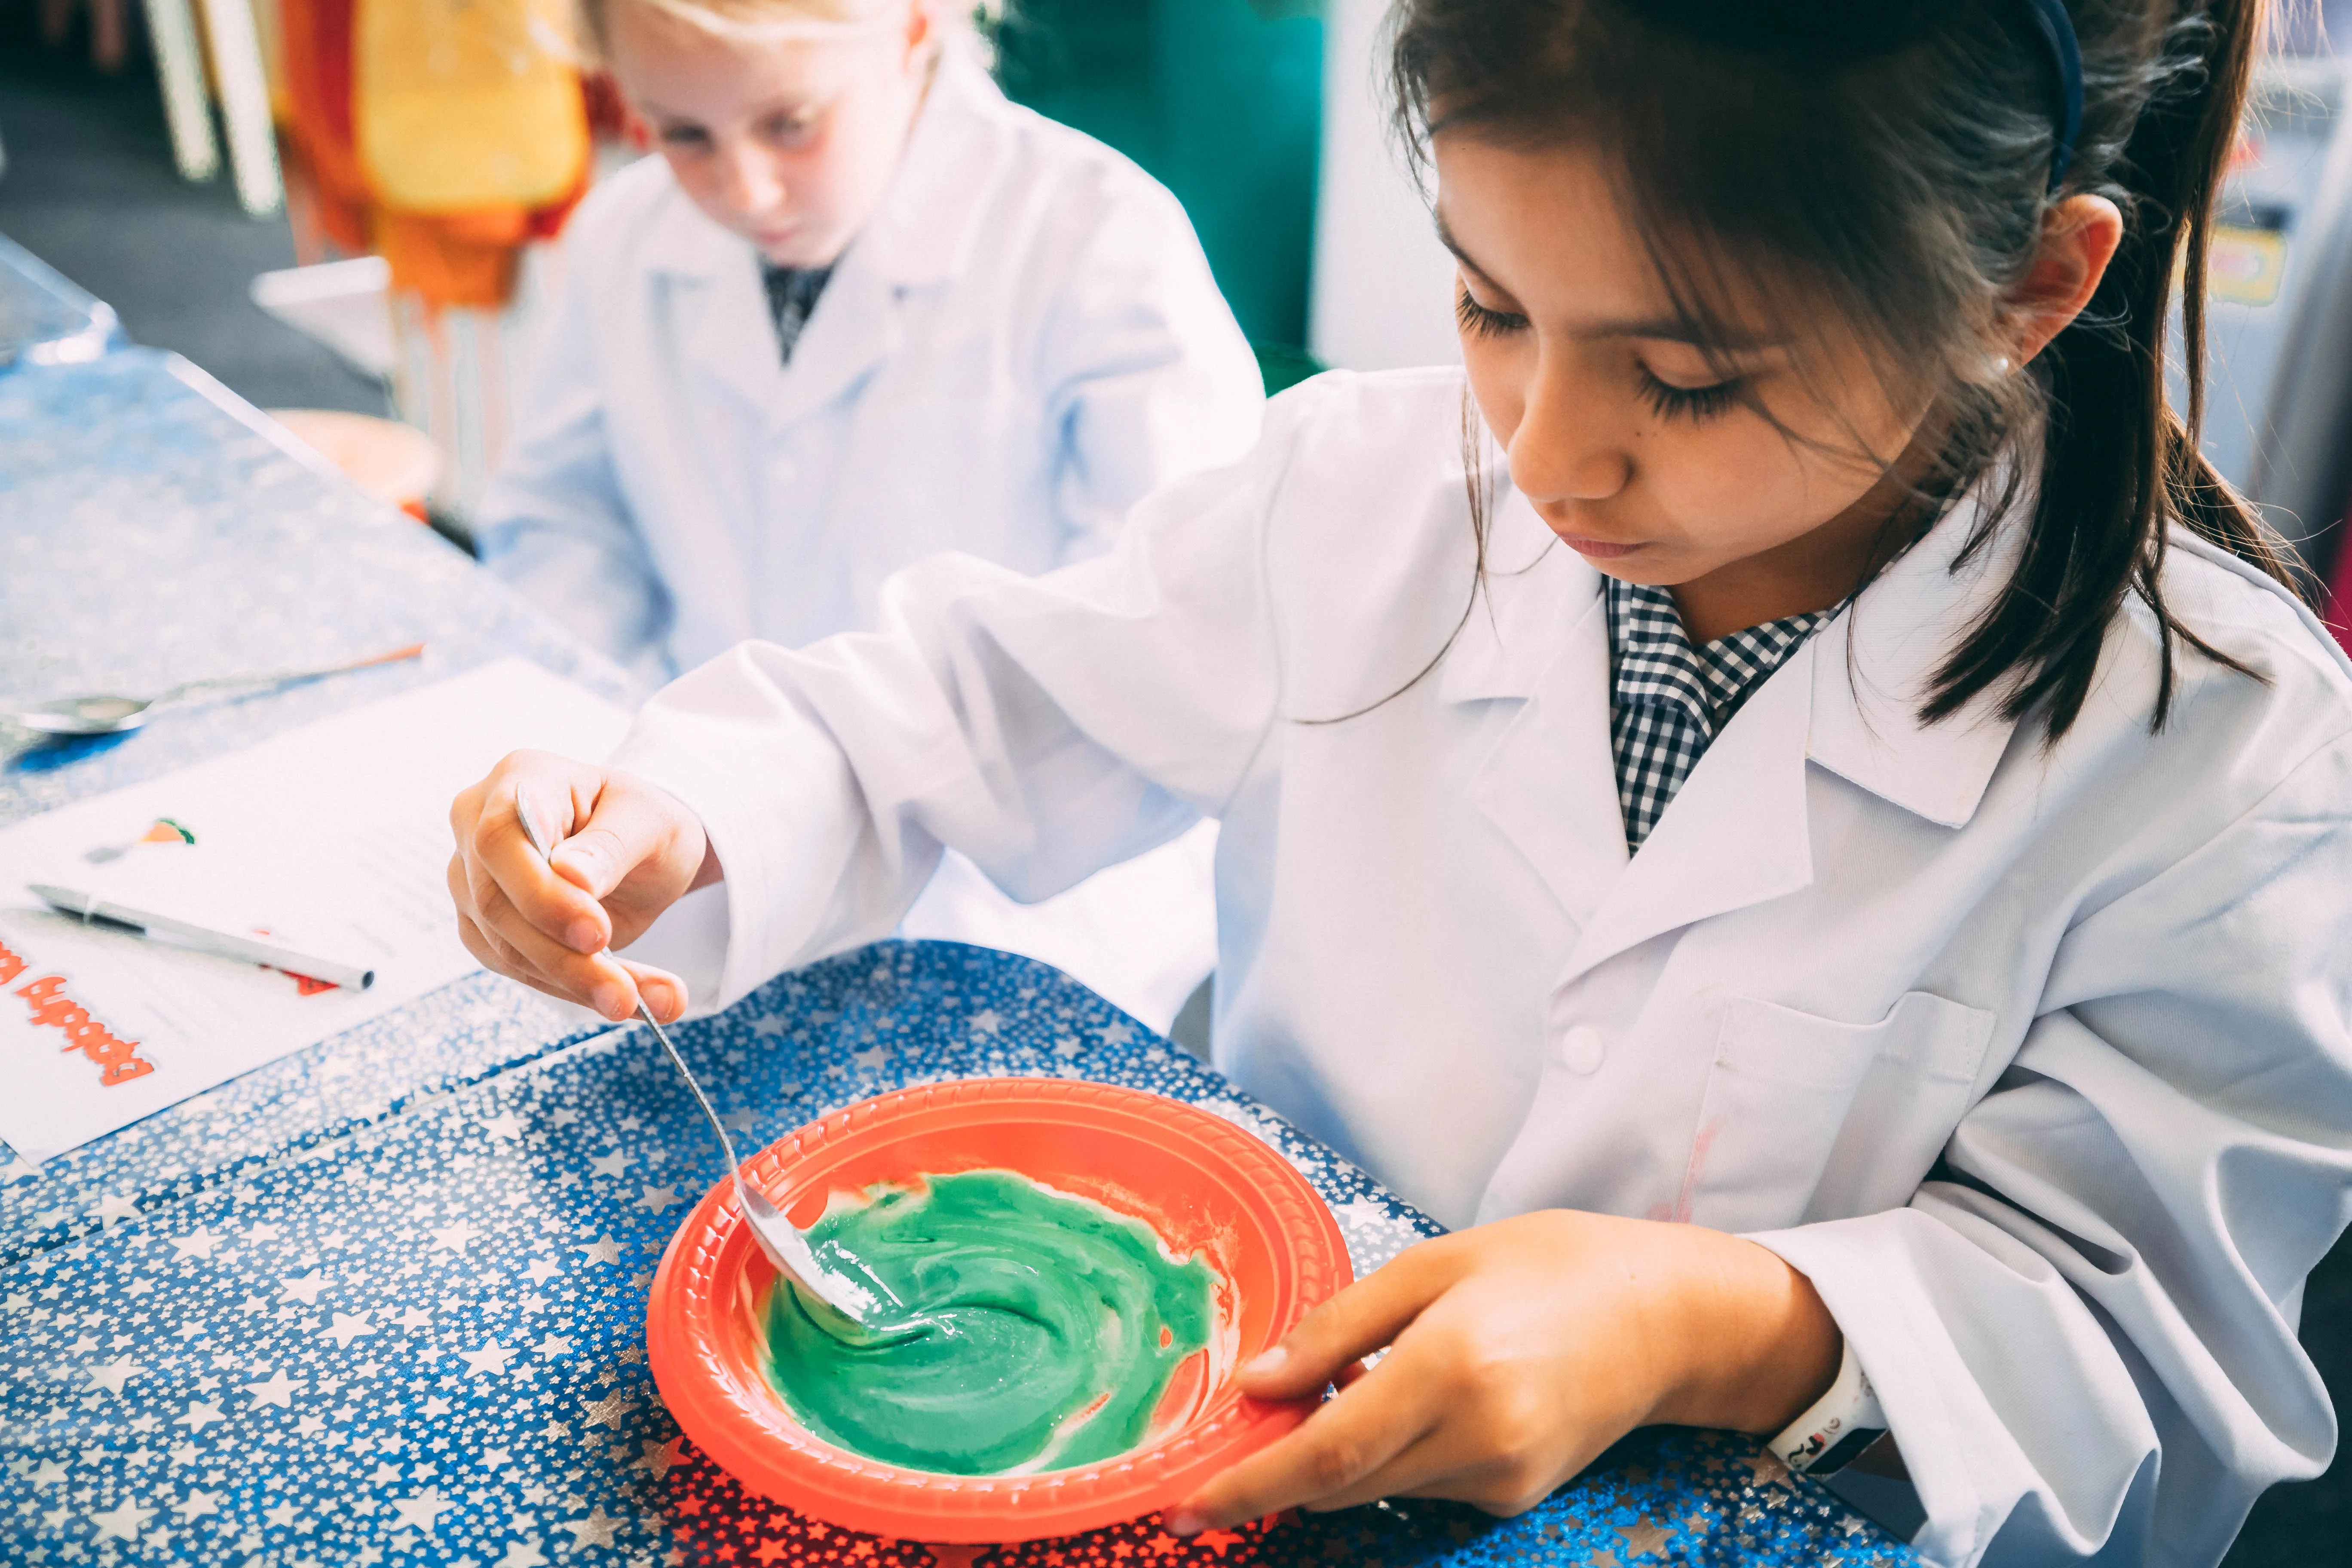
1580, 1049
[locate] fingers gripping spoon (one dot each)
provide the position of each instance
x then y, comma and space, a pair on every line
840, 1306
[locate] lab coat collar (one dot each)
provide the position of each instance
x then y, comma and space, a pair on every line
1549, 786
1876, 664
921, 236
1739, 832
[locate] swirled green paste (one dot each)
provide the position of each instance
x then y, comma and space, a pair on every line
1039, 1331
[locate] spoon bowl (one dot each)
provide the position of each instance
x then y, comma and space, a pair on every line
97, 715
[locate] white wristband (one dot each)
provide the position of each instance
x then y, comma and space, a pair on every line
1838, 1426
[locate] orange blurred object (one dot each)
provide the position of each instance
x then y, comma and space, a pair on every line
463, 258
444, 136
391, 461
471, 130
320, 153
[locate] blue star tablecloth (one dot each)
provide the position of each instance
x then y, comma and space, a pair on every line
382, 1301
423, 1340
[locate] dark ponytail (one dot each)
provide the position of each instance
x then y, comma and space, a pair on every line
1888, 161
2118, 463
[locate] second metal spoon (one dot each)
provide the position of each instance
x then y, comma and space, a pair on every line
106, 714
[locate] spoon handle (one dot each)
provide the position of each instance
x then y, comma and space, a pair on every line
836, 1305
725, 1144
284, 677
775, 1235
527, 813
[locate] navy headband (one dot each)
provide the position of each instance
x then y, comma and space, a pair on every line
2057, 30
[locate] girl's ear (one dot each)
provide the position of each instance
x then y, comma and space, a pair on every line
2079, 236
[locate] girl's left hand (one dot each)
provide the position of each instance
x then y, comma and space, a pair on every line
1521, 1350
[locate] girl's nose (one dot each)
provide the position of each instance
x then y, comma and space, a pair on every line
1560, 453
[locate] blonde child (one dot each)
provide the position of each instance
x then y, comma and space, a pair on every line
859, 311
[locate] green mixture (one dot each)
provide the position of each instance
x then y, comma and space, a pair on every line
1040, 1331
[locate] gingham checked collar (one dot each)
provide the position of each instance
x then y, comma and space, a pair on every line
1668, 699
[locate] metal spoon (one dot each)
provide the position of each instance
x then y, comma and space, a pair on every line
106, 714
838, 1305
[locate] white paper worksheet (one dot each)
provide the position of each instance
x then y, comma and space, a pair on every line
333, 840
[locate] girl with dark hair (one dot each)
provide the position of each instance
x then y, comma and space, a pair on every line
1788, 803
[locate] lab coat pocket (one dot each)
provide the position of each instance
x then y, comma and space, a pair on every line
1804, 1113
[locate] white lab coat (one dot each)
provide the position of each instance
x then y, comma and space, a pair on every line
2103, 982
1024, 342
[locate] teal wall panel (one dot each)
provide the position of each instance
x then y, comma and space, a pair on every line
1220, 100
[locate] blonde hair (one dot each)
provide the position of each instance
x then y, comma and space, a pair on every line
954, 23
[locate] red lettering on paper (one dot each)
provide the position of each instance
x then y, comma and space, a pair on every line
51, 1007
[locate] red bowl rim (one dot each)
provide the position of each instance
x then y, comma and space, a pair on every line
697, 1286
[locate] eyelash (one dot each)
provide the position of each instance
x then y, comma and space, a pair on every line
1477, 318
1698, 403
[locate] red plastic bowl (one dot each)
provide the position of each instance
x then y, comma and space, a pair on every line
1202, 1182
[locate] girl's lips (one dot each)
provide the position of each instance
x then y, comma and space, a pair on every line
1598, 548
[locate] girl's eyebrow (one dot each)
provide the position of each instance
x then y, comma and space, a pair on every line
1653, 329
1445, 238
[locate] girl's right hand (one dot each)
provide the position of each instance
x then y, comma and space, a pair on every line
623, 852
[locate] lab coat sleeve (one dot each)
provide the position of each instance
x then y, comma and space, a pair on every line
2082, 1331
553, 522
1044, 727
1146, 374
